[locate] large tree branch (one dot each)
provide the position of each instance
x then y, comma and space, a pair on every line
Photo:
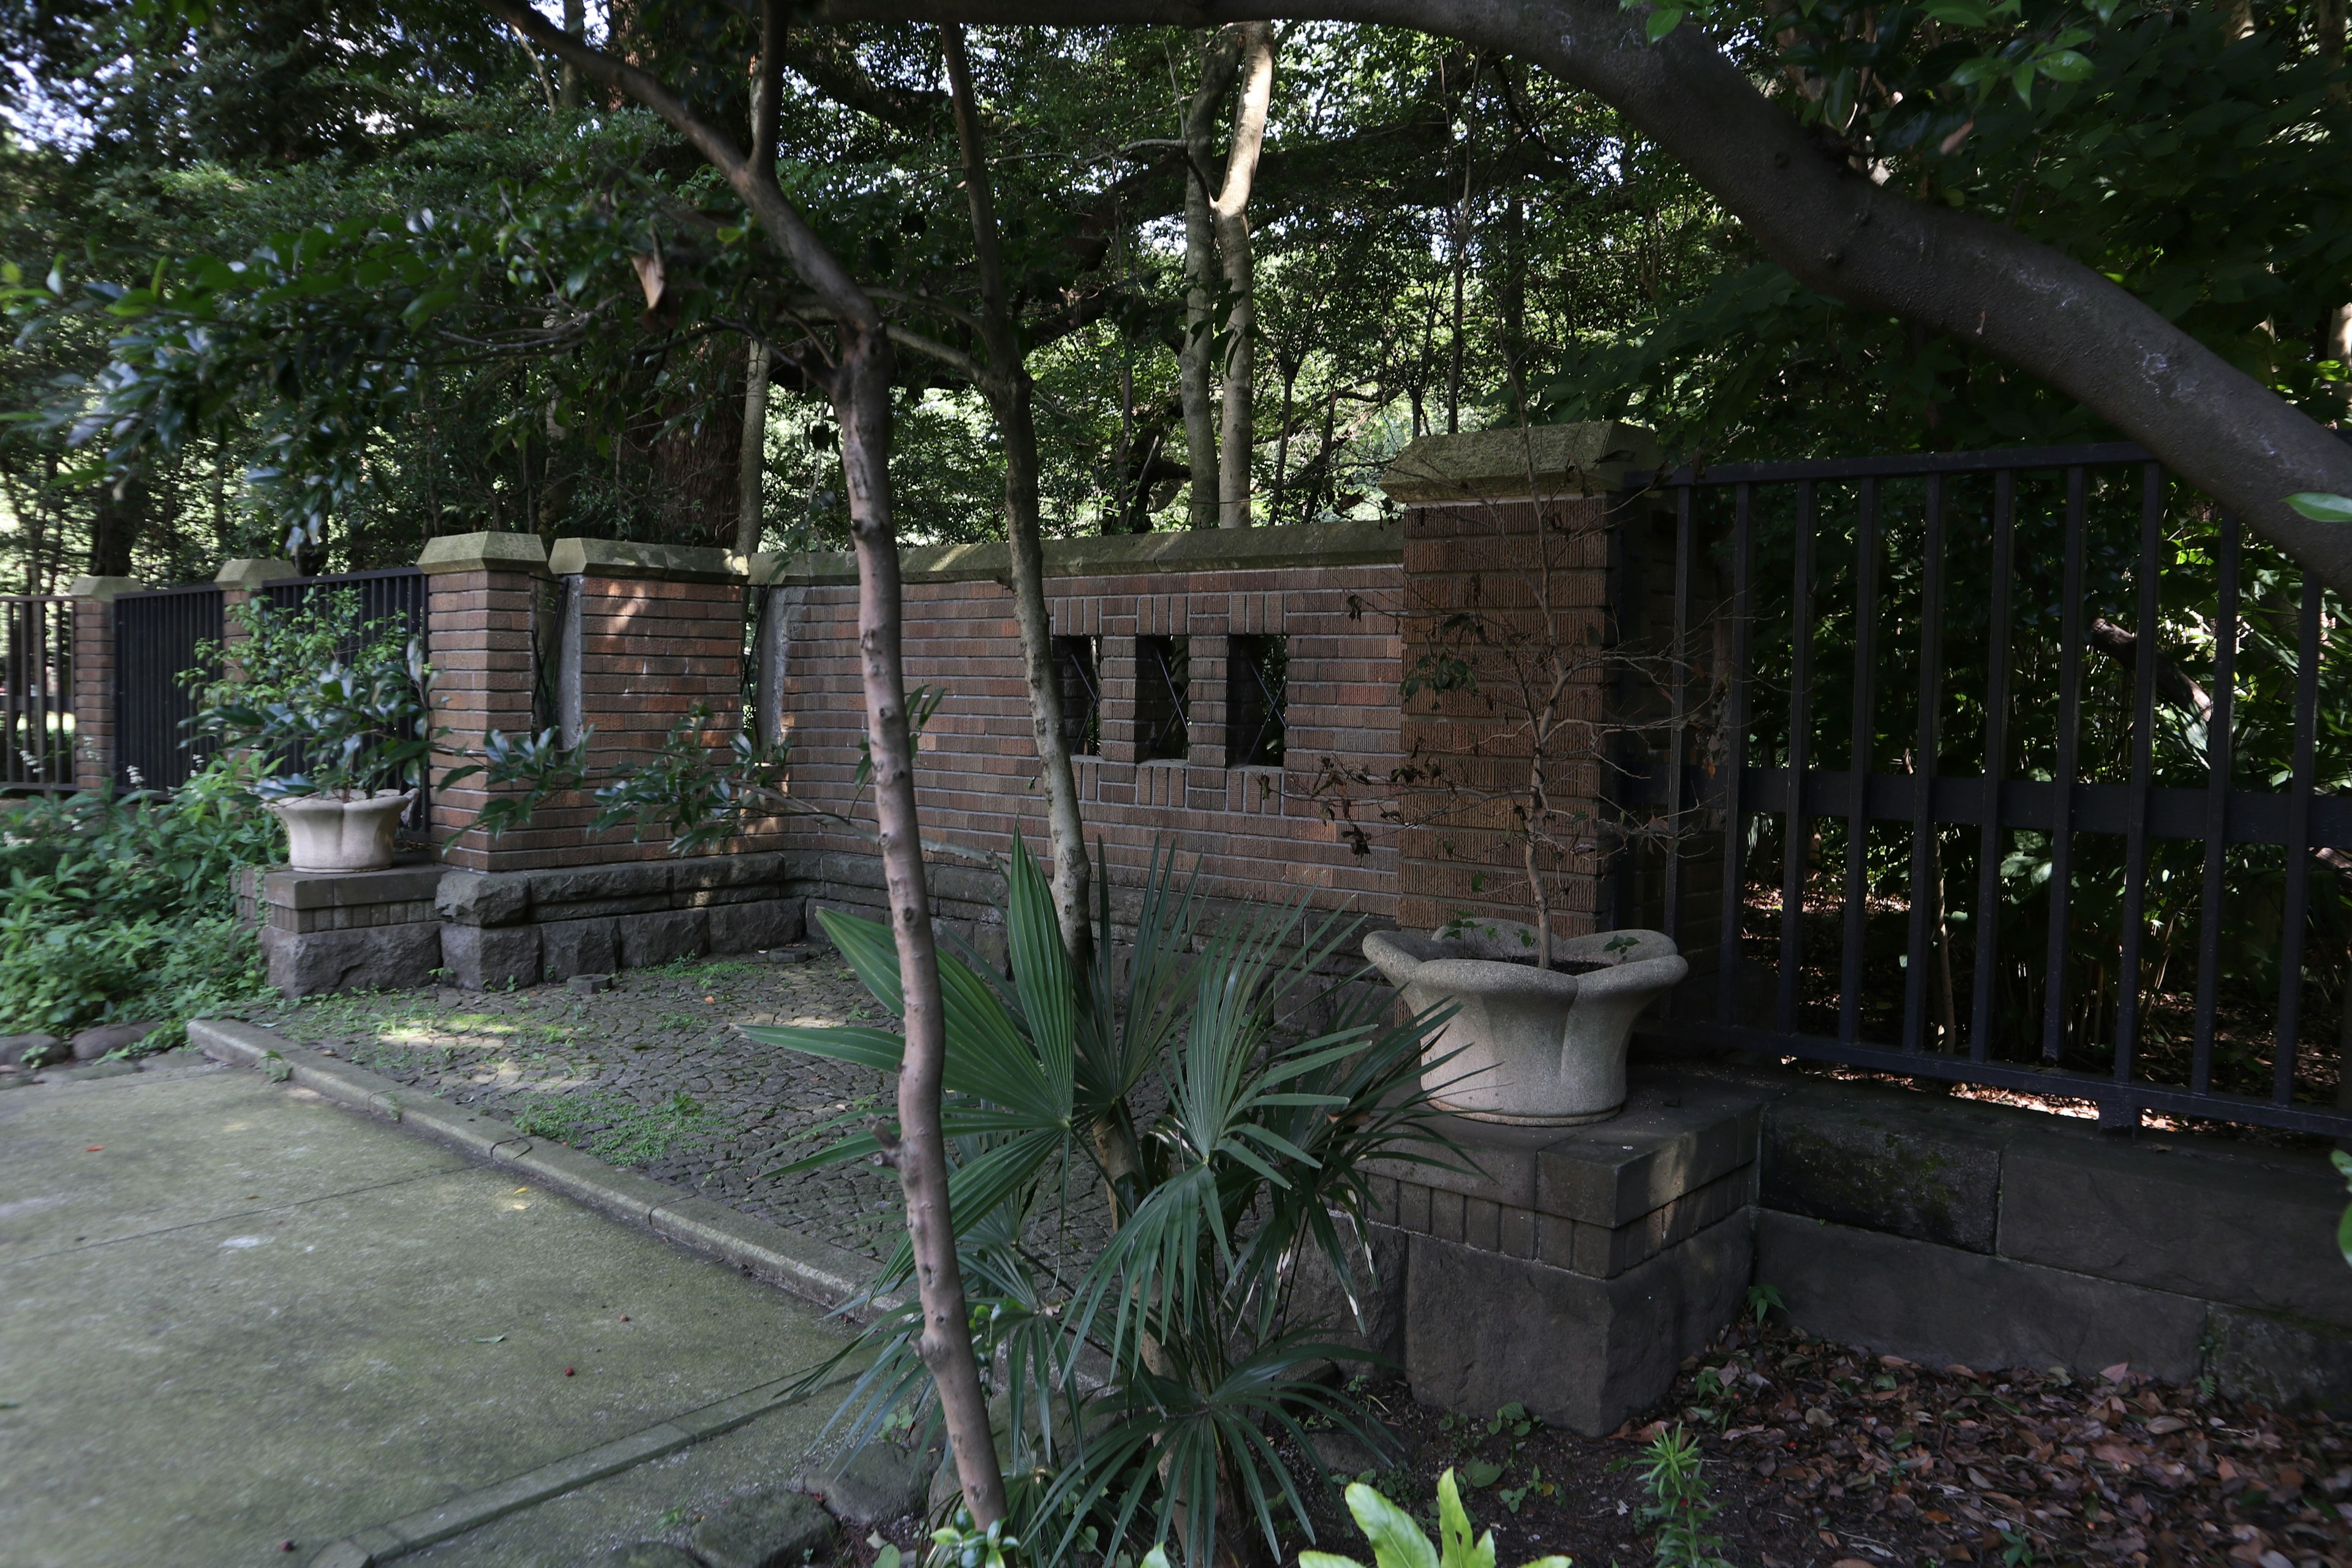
1981, 282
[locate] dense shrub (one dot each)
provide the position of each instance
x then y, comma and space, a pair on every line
121, 905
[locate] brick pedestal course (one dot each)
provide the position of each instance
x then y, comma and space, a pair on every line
93, 675
1575, 1268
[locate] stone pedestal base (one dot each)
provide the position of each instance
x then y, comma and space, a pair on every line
350, 931
1574, 1270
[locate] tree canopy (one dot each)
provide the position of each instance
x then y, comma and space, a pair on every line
397, 275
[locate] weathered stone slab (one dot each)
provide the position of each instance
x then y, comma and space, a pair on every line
2281, 1362
1484, 1330
1375, 1319
1939, 1304
766, 1529
485, 958
756, 926
484, 897
659, 936
1888, 1162
569, 948
306, 963
2234, 1227
876, 1484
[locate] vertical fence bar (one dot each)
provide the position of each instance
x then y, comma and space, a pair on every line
2298, 845
1678, 744
2143, 765
1995, 766
1735, 756
1926, 864
2219, 759
1801, 679
2061, 786
1856, 912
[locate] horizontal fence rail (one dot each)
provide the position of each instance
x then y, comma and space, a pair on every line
36, 693
158, 637
2021, 768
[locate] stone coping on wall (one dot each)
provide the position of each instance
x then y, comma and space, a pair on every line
483, 552
250, 572
104, 590
1509, 464
1345, 544
663, 563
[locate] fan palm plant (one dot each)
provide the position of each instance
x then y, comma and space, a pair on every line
1147, 1152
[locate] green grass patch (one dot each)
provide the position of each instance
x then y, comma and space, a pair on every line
610, 1126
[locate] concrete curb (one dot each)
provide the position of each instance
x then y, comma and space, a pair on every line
815, 1270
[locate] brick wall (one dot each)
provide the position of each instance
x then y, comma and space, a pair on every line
1258, 832
633, 655
1506, 600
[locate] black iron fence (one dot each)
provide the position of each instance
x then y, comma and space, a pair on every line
2021, 768
157, 636
37, 694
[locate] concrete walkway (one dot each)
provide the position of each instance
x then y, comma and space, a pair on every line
233, 1315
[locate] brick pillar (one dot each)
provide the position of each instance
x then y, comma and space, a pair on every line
483, 594
1490, 519
93, 675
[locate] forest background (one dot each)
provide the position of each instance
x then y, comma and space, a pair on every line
431, 284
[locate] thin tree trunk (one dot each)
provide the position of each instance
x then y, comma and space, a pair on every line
1010, 393
1232, 213
750, 508
861, 400
1196, 366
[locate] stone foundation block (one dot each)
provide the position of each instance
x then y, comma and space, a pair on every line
567, 948
484, 897
1377, 1276
2283, 1362
2248, 1229
1939, 1305
485, 958
756, 926
657, 938
307, 963
1482, 1330
1888, 1162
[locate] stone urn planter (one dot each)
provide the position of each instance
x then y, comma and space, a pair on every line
1526, 1047
328, 833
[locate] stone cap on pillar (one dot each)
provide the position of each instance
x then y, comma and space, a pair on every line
105, 590
252, 574
768, 566
665, 562
1583, 460
523, 552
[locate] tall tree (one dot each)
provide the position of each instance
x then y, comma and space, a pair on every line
858, 379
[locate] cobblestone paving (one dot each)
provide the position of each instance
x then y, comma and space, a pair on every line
653, 1073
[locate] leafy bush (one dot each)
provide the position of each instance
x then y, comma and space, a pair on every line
1225, 1099
120, 906
340, 704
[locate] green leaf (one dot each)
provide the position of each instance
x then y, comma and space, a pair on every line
2321, 507
1482, 1473
1959, 13
2064, 65
429, 304
1397, 1541
1459, 1550
1664, 20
